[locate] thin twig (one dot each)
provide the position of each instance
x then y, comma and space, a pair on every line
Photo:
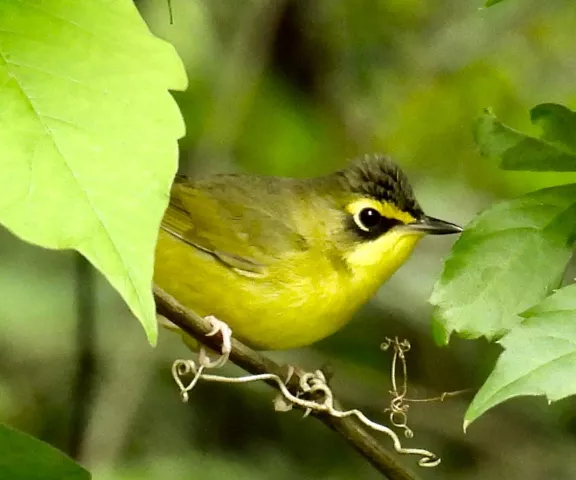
440, 398
170, 11
398, 407
257, 364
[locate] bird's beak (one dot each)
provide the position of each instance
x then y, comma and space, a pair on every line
433, 226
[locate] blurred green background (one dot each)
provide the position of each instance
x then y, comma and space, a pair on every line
297, 88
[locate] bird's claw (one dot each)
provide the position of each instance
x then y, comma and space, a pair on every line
218, 326
182, 368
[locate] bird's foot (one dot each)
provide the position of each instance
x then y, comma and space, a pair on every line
313, 393
184, 368
218, 326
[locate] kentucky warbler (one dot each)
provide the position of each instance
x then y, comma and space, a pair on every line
286, 262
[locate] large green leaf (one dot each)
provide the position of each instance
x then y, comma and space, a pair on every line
24, 457
88, 135
512, 256
555, 150
539, 356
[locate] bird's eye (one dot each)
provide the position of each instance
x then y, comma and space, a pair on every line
367, 219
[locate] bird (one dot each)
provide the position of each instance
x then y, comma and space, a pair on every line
286, 262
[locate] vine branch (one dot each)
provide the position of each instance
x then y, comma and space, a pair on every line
360, 438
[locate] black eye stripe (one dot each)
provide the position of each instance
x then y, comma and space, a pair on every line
369, 224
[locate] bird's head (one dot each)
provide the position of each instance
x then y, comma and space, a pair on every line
380, 220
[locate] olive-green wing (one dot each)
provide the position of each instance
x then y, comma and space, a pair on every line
229, 220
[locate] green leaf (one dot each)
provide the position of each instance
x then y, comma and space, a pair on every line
88, 135
489, 3
509, 258
558, 124
539, 356
554, 150
27, 458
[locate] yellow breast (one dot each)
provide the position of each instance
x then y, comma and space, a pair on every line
304, 297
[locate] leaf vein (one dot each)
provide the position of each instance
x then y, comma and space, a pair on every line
532, 371
85, 193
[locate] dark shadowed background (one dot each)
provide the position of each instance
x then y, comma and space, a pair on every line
297, 88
